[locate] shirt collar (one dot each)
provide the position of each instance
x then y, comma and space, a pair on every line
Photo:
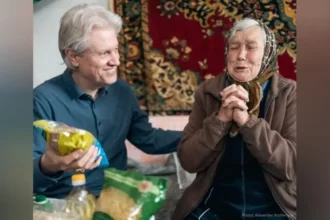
74, 90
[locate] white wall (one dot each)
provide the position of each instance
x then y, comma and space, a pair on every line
47, 61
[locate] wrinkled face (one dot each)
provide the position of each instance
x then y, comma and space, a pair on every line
245, 53
98, 64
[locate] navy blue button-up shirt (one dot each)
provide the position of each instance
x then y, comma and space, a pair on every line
112, 118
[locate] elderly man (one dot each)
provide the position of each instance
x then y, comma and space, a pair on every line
89, 96
241, 136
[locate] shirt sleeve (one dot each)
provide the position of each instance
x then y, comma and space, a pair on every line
148, 139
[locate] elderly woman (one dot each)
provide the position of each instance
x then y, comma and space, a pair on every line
241, 136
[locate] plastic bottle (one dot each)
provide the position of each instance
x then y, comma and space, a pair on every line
80, 201
41, 203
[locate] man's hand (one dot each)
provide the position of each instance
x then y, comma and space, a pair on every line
51, 162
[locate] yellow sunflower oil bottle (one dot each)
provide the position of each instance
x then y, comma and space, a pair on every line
80, 201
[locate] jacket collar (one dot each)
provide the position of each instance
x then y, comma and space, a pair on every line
217, 84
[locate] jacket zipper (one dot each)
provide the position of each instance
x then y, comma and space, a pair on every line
269, 180
207, 188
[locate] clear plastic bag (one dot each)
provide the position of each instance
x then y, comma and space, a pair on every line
66, 139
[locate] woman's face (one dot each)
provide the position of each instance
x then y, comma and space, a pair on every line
245, 53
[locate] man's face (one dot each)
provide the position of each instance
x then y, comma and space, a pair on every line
245, 53
99, 63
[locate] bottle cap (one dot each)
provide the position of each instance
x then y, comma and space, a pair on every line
78, 179
40, 199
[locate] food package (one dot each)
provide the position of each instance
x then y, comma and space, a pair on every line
129, 195
66, 139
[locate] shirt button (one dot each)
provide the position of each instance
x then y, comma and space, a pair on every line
100, 123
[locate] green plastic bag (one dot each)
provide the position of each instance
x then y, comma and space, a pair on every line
129, 195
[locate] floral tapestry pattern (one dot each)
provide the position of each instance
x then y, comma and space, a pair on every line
169, 47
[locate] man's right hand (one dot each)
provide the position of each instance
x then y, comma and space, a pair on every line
51, 162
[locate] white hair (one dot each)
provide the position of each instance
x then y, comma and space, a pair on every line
244, 24
77, 23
